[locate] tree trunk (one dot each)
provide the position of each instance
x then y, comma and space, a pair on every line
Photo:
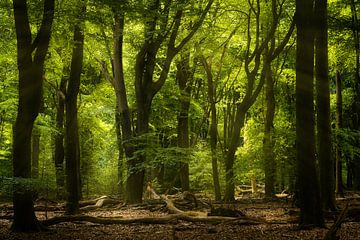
308, 185
324, 147
230, 157
72, 154
356, 102
30, 59
59, 139
35, 152
339, 124
184, 80
213, 127
121, 151
268, 142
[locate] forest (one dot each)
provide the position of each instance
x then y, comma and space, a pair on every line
179, 119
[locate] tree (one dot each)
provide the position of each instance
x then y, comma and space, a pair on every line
157, 31
30, 57
270, 54
307, 179
184, 77
356, 89
326, 163
252, 64
59, 153
339, 125
72, 153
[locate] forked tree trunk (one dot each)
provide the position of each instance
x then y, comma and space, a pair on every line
30, 59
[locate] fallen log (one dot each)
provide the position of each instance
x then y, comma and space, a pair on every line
142, 220
100, 203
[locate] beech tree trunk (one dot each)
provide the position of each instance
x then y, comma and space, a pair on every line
72, 154
30, 59
339, 124
213, 126
326, 161
59, 139
121, 151
184, 80
146, 87
230, 157
356, 102
308, 184
35, 152
268, 142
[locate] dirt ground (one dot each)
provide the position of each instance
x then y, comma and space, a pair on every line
280, 217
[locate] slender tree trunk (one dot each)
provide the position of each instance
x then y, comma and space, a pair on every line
72, 154
125, 118
308, 185
59, 139
339, 124
30, 59
230, 157
356, 102
183, 77
121, 151
326, 162
213, 127
268, 142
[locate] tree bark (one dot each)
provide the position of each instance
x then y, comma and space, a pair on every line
146, 87
35, 152
339, 124
72, 154
184, 80
268, 142
59, 139
121, 151
308, 185
213, 126
252, 66
326, 161
356, 101
30, 59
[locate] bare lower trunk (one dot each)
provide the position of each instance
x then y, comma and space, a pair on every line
268, 142
230, 157
59, 140
30, 61
184, 79
339, 124
326, 161
308, 185
35, 153
72, 154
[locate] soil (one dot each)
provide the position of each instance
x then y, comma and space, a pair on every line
280, 216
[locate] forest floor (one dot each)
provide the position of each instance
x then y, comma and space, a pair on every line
279, 221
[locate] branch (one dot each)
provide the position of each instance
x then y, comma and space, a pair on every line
286, 39
43, 37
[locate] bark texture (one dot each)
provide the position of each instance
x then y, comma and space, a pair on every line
30, 60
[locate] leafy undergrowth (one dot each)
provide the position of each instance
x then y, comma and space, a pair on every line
281, 215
